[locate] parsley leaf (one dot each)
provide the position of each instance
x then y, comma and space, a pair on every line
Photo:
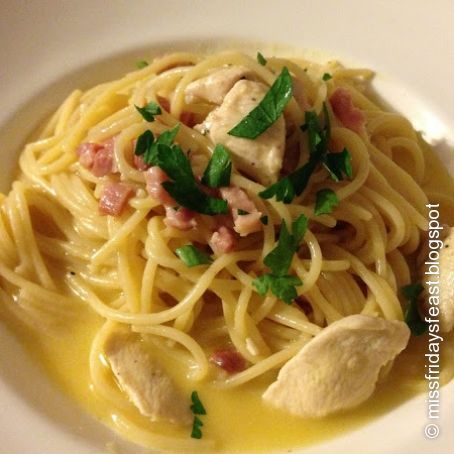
268, 110
191, 256
219, 168
144, 142
261, 59
196, 425
279, 260
264, 220
281, 286
197, 407
327, 76
149, 111
294, 184
325, 201
412, 318
166, 138
339, 164
242, 212
184, 188
140, 64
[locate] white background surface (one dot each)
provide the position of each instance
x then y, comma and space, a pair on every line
49, 47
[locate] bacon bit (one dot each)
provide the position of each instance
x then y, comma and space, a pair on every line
304, 304
154, 177
114, 197
181, 219
229, 360
98, 158
87, 152
164, 103
237, 199
223, 240
188, 119
139, 163
349, 115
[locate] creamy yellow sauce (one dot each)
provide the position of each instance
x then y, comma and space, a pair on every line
237, 419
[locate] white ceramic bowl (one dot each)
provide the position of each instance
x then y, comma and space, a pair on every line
51, 47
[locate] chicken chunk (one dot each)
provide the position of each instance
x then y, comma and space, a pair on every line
260, 158
339, 368
145, 382
215, 86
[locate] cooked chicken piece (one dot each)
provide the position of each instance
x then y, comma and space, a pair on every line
215, 86
260, 158
145, 382
447, 283
339, 368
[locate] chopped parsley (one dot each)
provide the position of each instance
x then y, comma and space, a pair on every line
327, 76
196, 431
337, 164
325, 201
149, 111
264, 220
219, 168
268, 110
242, 212
279, 282
191, 256
144, 143
183, 186
197, 408
261, 59
412, 317
140, 64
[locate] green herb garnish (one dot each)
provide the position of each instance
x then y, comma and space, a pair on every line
339, 164
149, 111
261, 59
242, 212
264, 220
325, 201
183, 187
140, 64
196, 425
279, 260
327, 76
147, 146
268, 110
144, 142
219, 168
197, 408
412, 317
191, 256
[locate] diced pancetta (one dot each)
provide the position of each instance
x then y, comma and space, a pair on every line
181, 218
216, 85
229, 360
98, 158
246, 217
349, 115
154, 177
223, 240
139, 163
114, 198
260, 158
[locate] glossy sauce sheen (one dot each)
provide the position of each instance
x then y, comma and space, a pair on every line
237, 419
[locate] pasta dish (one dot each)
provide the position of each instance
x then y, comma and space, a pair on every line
215, 245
